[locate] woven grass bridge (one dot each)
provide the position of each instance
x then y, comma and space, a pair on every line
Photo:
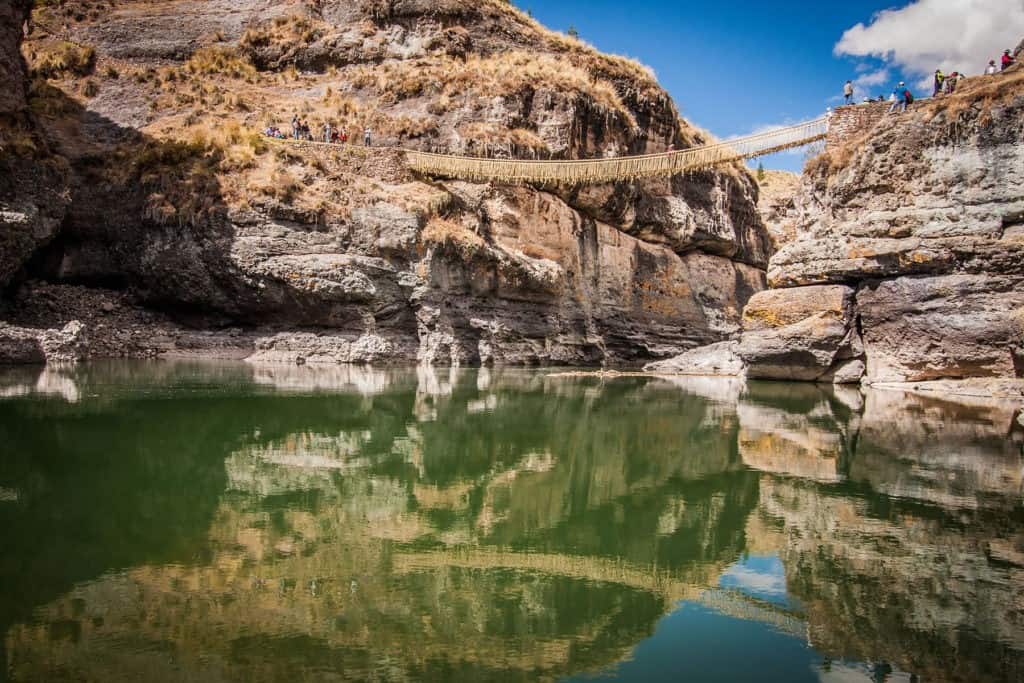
592, 171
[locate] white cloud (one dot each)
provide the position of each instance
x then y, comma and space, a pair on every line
952, 35
871, 79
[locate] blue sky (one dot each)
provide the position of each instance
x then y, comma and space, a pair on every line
735, 66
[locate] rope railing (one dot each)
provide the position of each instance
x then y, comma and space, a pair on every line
592, 171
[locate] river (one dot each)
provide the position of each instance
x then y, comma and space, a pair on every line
174, 521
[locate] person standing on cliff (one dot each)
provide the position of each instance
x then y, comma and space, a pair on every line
908, 98
367, 137
848, 92
939, 78
1008, 60
991, 69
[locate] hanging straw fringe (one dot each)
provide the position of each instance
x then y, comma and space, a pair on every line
591, 171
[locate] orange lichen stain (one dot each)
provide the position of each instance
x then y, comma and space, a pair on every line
662, 295
921, 257
766, 316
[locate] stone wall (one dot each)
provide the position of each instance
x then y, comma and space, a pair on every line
849, 122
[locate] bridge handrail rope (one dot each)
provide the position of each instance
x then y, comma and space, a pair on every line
580, 171
583, 171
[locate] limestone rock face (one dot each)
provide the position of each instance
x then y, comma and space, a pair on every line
952, 326
777, 191
931, 192
925, 220
32, 202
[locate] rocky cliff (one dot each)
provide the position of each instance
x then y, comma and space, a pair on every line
908, 259
187, 230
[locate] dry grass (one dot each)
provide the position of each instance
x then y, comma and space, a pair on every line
834, 160
501, 75
285, 33
17, 140
517, 142
220, 61
986, 91
618, 68
444, 232
281, 184
55, 60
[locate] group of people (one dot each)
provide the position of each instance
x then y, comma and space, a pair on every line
1007, 61
945, 84
302, 131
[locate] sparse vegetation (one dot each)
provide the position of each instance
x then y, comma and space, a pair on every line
517, 141
55, 60
220, 60
503, 74
90, 88
284, 33
445, 232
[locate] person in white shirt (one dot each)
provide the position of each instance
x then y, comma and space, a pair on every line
991, 69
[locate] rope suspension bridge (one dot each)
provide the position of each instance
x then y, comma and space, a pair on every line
596, 171
593, 171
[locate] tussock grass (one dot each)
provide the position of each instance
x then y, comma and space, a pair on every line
498, 75
518, 142
55, 60
444, 232
220, 61
985, 92
285, 33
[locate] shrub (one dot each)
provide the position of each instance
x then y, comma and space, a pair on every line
90, 88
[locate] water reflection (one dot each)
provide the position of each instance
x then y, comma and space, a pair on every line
191, 522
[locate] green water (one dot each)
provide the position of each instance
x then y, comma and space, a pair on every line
191, 522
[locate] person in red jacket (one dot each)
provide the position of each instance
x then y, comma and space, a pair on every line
1008, 60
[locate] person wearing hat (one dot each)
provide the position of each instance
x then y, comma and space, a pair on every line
939, 78
991, 68
1008, 60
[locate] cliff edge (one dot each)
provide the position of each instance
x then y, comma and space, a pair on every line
908, 259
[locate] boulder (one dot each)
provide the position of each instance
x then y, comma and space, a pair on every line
24, 345
806, 333
714, 359
19, 346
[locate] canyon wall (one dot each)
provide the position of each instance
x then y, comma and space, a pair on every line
189, 232
907, 263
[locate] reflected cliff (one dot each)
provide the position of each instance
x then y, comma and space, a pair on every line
193, 522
